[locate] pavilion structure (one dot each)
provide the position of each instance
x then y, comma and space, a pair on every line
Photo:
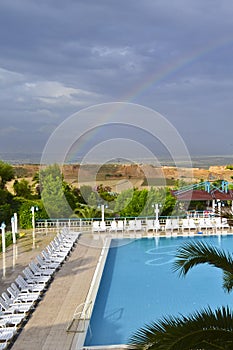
215, 197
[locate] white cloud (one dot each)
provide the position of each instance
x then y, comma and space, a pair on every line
9, 131
53, 92
25, 91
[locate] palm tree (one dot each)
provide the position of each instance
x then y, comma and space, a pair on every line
202, 330
196, 253
87, 212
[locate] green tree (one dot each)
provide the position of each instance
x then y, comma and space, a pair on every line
6, 205
93, 199
87, 212
168, 207
6, 213
52, 189
25, 214
196, 253
204, 330
85, 191
53, 197
36, 183
161, 196
59, 198
22, 189
6, 173
70, 194
123, 200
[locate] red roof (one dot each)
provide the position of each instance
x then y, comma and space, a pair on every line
201, 195
223, 196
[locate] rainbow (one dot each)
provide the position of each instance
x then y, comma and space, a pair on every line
152, 80
173, 67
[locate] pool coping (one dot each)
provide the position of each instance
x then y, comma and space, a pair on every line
91, 296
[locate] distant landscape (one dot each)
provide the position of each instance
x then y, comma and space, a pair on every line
120, 176
198, 161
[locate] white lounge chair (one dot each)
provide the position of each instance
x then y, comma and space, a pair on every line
221, 223
103, 227
209, 223
24, 297
28, 287
185, 224
39, 271
131, 225
56, 252
95, 226
14, 320
153, 225
202, 224
192, 224
157, 225
4, 345
7, 333
138, 225
175, 224
168, 225
31, 278
27, 305
113, 226
17, 308
120, 225
150, 225
188, 224
43, 264
64, 242
56, 246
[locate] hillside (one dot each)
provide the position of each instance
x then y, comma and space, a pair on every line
122, 176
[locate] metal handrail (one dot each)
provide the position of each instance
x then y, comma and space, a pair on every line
81, 315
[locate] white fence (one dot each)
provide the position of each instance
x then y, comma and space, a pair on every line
87, 224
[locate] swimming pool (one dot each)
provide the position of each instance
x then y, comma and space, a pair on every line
138, 286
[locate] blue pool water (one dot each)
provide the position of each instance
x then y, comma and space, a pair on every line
138, 286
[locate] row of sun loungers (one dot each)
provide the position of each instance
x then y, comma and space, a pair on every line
172, 224
22, 296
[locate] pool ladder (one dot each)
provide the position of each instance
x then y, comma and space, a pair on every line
80, 318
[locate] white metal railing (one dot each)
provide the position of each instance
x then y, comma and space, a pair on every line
165, 224
86, 224
81, 314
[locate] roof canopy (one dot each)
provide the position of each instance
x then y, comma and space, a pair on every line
201, 195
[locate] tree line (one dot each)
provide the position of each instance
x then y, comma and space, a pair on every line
55, 198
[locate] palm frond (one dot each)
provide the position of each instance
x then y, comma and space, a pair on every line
194, 253
205, 329
227, 281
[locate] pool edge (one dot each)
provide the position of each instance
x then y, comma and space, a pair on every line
79, 339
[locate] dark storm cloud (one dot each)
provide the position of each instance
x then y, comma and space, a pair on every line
60, 56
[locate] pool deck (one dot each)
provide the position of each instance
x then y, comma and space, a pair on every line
46, 328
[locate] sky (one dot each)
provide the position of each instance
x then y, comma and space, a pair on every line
58, 57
